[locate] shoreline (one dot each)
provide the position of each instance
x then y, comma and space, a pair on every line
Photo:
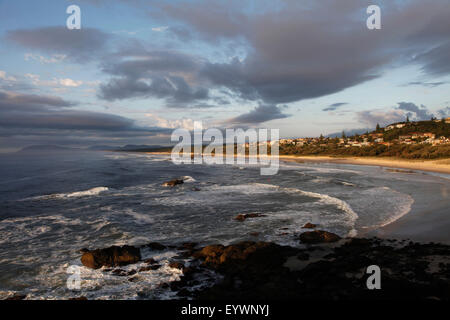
437, 166
422, 223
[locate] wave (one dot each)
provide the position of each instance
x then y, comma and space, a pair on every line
188, 179
394, 206
77, 194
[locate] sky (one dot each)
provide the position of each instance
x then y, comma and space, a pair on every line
137, 70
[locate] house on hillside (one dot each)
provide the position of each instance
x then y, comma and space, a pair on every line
395, 125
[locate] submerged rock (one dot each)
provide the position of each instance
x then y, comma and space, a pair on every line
242, 216
173, 183
111, 257
318, 236
309, 226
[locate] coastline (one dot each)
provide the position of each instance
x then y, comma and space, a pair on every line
424, 222
437, 166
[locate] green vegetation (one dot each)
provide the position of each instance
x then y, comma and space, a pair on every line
440, 129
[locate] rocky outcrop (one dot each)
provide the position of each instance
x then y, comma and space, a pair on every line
173, 183
309, 226
244, 216
111, 257
257, 270
318, 236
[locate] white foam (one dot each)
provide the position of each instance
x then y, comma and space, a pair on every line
85, 193
188, 179
382, 206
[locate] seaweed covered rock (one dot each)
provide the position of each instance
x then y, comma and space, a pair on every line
318, 236
111, 257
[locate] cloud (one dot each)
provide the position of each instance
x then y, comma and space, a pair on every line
14, 102
397, 114
80, 46
444, 113
426, 84
334, 106
261, 113
20, 113
55, 58
70, 83
139, 73
382, 117
296, 51
160, 29
415, 112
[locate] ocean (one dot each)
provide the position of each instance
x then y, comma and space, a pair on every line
52, 205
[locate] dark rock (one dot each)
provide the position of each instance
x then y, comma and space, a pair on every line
176, 265
303, 256
17, 297
163, 285
82, 298
256, 270
254, 234
111, 257
148, 268
119, 272
309, 226
156, 246
131, 272
173, 183
318, 236
84, 250
243, 217
150, 261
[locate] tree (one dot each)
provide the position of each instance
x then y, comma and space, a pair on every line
378, 127
343, 135
407, 119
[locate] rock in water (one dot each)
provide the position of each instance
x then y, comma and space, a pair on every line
318, 236
173, 183
111, 257
243, 217
309, 226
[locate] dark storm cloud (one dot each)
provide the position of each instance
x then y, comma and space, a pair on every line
300, 50
34, 112
334, 106
81, 45
437, 60
166, 75
260, 114
10, 101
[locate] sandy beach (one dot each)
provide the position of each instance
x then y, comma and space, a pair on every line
441, 166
